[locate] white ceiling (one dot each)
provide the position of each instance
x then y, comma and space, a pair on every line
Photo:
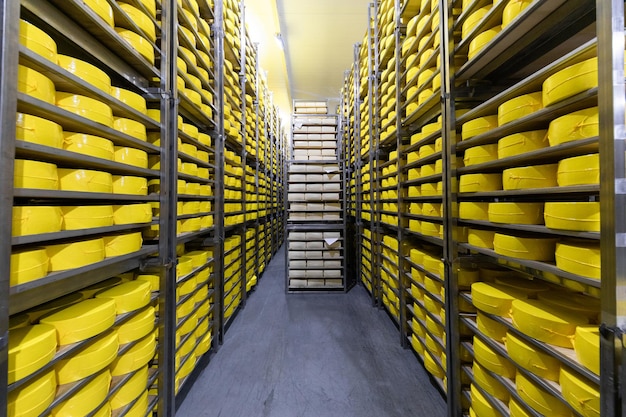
318, 37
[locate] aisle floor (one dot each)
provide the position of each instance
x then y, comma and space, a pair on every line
307, 355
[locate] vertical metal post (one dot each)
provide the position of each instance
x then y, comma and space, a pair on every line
258, 160
612, 103
244, 155
219, 167
358, 162
374, 171
9, 30
450, 250
167, 202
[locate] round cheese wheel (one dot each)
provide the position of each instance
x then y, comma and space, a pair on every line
85, 71
118, 245
491, 328
516, 213
38, 41
131, 127
515, 408
88, 145
35, 84
481, 40
128, 296
520, 143
587, 347
478, 126
494, 298
138, 326
102, 9
471, 210
519, 107
539, 399
473, 20
488, 383
481, 238
88, 361
132, 99
537, 176
86, 217
581, 124
581, 394
513, 9
33, 398
37, 130
578, 216
481, 407
491, 360
82, 320
471, 183
86, 107
536, 249
35, 174
75, 254
142, 20
34, 220
136, 357
570, 81
132, 214
579, 170
86, 399
138, 42
546, 323
480, 154
532, 359
130, 185
30, 348
579, 257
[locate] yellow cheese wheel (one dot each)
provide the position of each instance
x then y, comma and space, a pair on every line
131, 127
33, 398
520, 143
131, 99
86, 217
38, 41
119, 245
579, 170
154, 280
207, 221
515, 409
480, 154
139, 409
587, 347
30, 348
34, 174
581, 394
130, 185
537, 176
470, 183
481, 40
131, 390
82, 320
519, 107
489, 383
429, 189
136, 357
189, 168
88, 145
37, 130
138, 42
579, 257
472, 20
204, 139
513, 9
128, 296
478, 126
536, 249
131, 156
516, 213
431, 365
85, 180
141, 19
570, 81
34, 220
138, 326
494, 298
203, 345
75, 254
531, 358
150, 5
539, 399
470, 210
546, 323
481, 407
578, 216
491, 360
86, 399
481, 238
581, 124
102, 9
491, 328
35, 84
104, 411
85, 71
86, 107
132, 214
581, 303
88, 361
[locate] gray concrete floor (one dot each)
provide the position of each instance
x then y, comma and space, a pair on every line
311, 355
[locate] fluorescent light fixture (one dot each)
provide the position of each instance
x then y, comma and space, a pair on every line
279, 41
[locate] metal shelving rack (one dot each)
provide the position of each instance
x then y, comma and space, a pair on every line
79, 30
516, 62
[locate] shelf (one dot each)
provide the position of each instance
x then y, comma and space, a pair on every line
74, 160
430, 239
57, 284
543, 270
531, 229
564, 355
68, 234
552, 193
